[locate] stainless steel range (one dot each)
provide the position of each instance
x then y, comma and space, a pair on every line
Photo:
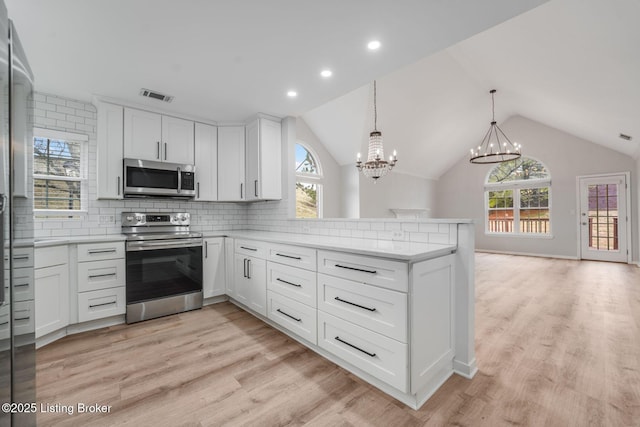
164, 265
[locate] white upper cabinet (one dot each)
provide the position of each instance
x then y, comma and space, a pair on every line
152, 136
264, 160
206, 149
231, 185
109, 158
177, 139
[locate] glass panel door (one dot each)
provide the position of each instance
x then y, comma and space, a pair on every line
603, 218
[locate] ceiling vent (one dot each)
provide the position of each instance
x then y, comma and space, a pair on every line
625, 137
155, 95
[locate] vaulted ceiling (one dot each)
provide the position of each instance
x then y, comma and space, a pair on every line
570, 64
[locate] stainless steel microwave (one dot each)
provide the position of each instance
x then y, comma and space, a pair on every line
144, 178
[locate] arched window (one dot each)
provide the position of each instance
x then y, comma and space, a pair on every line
518, 198
309, 181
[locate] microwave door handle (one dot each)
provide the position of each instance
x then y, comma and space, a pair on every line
179, 180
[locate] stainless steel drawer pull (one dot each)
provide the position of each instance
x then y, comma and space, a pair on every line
101, 251
354, 304
289, 256
288, 283
356, 269
21, 257
288, 315
249, 249
94, 276
103, 304
356, 347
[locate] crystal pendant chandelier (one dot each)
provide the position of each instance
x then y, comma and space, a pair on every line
376, 166
495, 146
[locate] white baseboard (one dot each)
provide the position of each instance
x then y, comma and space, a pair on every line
491, 251
467, 370
78, 328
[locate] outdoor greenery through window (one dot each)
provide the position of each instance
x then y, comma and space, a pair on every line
58, 174
518, 198
308, 184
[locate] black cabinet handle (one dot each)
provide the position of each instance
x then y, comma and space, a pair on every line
255, 188
288, 283
356, 269
289, 256
103, 304
20, 257
244, 274
102, 275
158, 145
356, 347
288, 315
354, 304
101, 251
248, 268
241, 190
249, 249
20, 285
206, 249
21, 318
118, 185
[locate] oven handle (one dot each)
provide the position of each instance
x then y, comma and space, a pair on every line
164, 244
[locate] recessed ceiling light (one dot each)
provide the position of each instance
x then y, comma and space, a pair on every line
373, 45
326, 73
292, 94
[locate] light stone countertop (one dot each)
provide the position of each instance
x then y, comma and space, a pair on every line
402, 251
57, 241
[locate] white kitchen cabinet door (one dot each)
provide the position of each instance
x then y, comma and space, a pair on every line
251, 283
206, 161
52, 299
231, 148
264, 160
110, 151
142, 135
177, 140
214, 283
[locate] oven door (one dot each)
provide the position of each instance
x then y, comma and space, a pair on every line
163, 277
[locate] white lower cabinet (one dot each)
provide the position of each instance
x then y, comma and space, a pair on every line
229, 260
52, 298
251, 282
375, 354
213, 267
102, 303
101, 280
293, 315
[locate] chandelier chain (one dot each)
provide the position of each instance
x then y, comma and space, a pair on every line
375, 107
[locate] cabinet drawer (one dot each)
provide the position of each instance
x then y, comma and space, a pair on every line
100, 251
375, 354
23, 284
294, 256
101, 274
23, 319
380, 310
298, 318
103, 303
365, 269
294, 283
22, 257
251, 248
51, 256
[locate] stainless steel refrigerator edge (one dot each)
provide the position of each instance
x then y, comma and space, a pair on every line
17, 325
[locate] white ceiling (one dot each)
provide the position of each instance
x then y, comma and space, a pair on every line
226, 60
570, 64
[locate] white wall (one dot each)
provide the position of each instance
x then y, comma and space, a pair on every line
331, 193
394, 191
460, 192
349, 192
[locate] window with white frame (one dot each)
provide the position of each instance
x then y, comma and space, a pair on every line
59, 173
309, 181
518, 198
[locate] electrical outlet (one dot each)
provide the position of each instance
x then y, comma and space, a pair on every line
306, 229
398, 235
107, 219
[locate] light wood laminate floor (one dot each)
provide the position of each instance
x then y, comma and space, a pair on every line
557, 343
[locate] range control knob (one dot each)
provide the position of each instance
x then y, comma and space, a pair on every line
139, 218
129, 218
182, 217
